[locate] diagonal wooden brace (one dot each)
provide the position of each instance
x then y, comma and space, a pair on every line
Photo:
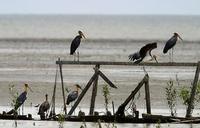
105, 79
83, 92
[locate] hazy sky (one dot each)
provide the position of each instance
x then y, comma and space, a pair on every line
183, 7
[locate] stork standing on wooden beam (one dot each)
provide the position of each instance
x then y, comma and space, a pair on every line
170, 44
75, 44
140, 55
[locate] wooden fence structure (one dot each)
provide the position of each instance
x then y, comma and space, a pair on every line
97, 73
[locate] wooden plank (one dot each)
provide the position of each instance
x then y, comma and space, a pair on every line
94, 92
124, 63
160, 117
189, 121
147, 96
193, 91
83, 93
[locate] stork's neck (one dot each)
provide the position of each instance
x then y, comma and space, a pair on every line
46, 98
175, 36
25, 89
80, 36
77, 89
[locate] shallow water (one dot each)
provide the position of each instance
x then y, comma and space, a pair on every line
34, 63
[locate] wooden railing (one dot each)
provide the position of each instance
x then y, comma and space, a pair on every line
122, 63
94, 78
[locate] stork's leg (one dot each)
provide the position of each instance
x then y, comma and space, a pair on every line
78, 55
74, 56
72, 104
172, 54
22, 109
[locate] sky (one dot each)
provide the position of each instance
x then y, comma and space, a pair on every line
127, 7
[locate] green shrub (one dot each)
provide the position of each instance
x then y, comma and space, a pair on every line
106, 94
171, 96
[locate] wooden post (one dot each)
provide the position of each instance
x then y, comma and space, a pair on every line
147, 96
54, 94
63, 91
193, 91
83, 92
53, 101
99, 123
113, 107
94, 92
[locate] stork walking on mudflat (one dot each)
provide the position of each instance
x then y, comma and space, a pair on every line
140, 55
171, 43
75, 44
73, 95
44, 107
20, 99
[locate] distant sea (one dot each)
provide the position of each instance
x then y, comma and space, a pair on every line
112, 27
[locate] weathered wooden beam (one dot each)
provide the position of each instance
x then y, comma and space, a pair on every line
124, 63
99, 123
52, 112
94, 92
121, 108
107, 80
136, 89
193, 91
147, 96
63, 91
189, 121
113, 107
83, 93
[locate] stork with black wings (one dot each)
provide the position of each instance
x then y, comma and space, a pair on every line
20, 99
75, 44
44, 107
171, 43
137, 57
72, 96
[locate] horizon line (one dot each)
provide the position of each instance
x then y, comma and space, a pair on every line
100, 14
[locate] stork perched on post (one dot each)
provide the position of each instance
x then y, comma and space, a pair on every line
140, 55
171, 43
75, 44
20, 99
73, 95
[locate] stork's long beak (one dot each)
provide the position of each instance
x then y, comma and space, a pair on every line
80, 88
83, 35
153, 58
180, 37
30, 89
156, 59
